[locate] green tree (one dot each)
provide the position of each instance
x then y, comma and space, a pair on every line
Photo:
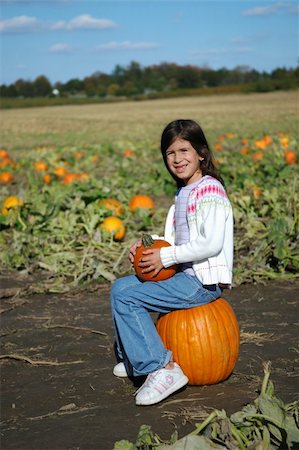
41, 86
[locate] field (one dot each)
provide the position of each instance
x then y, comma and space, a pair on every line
140, 123
112, 151
57, 259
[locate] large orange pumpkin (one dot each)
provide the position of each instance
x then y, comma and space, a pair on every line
204, 340
148, 243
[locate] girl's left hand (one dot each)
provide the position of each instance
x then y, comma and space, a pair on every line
151, 261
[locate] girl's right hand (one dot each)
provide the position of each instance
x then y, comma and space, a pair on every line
133, 250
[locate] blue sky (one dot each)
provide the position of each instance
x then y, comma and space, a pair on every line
66, 39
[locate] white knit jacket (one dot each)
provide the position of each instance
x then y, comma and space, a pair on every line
210, 221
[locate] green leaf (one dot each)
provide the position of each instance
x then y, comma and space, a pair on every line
192, 442
292, 431
240, 417
124, 445
272, 408
145, 436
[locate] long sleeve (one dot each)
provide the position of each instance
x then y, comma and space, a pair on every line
210, 247
208, 242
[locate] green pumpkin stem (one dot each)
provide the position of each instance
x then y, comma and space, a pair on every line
147, 240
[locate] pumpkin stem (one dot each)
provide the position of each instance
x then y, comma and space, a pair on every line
147, 240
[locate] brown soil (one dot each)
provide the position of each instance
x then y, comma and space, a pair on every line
57, 388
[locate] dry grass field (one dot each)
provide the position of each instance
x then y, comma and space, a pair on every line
135, 122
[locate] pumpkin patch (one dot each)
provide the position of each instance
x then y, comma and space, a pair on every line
80, 183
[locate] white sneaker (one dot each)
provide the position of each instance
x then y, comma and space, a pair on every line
160, 384
120, 370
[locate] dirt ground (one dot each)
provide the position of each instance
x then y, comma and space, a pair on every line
57, 387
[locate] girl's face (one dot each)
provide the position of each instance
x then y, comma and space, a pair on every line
183, 161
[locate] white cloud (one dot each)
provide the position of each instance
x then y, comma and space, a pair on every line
32, 24
270, 10
21, 23
85, 21
127, 45
60, 48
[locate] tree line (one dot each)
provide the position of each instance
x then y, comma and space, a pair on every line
135, 81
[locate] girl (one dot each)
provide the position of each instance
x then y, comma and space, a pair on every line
200, 229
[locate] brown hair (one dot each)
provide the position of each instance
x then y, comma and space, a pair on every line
191, 131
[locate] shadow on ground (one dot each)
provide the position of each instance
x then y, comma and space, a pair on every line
57, 389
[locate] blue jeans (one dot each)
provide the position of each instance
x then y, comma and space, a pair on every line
138, 343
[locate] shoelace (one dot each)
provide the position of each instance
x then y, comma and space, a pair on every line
151, 379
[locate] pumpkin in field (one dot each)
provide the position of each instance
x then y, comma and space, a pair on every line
112, 205
60, 171
11, 202
204, 340
3, 154
290, 157
41, 166
141, 202
113, 226
257, 156
6, 177
148, 243
47, 178
129, 153
69, 178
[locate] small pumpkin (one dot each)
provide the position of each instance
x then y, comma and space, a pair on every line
112, 205
47, 178
147, 243
70, 178
257, 156
143, 202
114, 226
41, 166
60, 171
204, 340
3, 153
129, 153
6, 177
290, 157
12, 202
244, 150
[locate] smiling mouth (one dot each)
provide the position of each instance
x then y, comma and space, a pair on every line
180, 169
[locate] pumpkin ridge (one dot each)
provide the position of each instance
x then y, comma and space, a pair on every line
189, 346
201, 330
226, 349
207, 338
226, 312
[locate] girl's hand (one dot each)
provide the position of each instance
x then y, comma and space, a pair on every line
133, 250
151, 261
